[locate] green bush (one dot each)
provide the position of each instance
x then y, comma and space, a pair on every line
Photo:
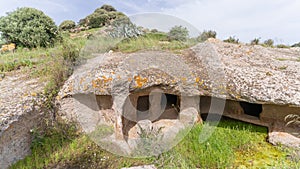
67, 25
178, 33
255, 41
108, 8
269, 43
100, 11
206, 35
232, 39
282, 46
28, 27
296, 45
97, 20
101, 17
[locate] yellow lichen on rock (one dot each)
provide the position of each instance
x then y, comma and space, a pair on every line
140, 81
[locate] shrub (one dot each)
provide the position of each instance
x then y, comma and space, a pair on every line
100, 17
282, 46
108, 8
154, 31
124, 28
206, 35
100, 11
255, 41
97, 20
296, 45
269, 43
114, 15
28, 27
232, 39
178, 33
67, 25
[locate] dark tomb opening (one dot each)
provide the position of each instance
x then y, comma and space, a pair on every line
251, 108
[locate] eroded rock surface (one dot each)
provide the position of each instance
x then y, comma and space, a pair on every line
20, 112
234, 73
243, 72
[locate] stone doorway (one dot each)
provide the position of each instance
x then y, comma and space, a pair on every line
157, 108
252, 109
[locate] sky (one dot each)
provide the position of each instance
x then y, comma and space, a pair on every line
244, 19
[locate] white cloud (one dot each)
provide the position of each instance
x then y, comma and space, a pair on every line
246, 19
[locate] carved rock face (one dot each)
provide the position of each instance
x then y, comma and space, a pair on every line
249, 83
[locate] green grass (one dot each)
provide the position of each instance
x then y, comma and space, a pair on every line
232, 145
153, 41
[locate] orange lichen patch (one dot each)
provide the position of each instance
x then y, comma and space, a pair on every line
184, 79
106, 80
140, 81
81, 81
96, 83
197, 79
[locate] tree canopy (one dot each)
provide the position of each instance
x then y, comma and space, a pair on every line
28, 27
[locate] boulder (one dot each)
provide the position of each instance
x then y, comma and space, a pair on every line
21, 111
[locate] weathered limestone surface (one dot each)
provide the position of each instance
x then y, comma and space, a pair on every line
20, 111
242, 72
230, 72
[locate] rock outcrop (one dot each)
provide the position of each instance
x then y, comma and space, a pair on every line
250, 83
21, 111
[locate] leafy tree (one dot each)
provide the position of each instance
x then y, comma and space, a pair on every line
232, 39
255, 41
206, 35
269, 43
28, 27
67, 25
178, 33
108, 8
96, 20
